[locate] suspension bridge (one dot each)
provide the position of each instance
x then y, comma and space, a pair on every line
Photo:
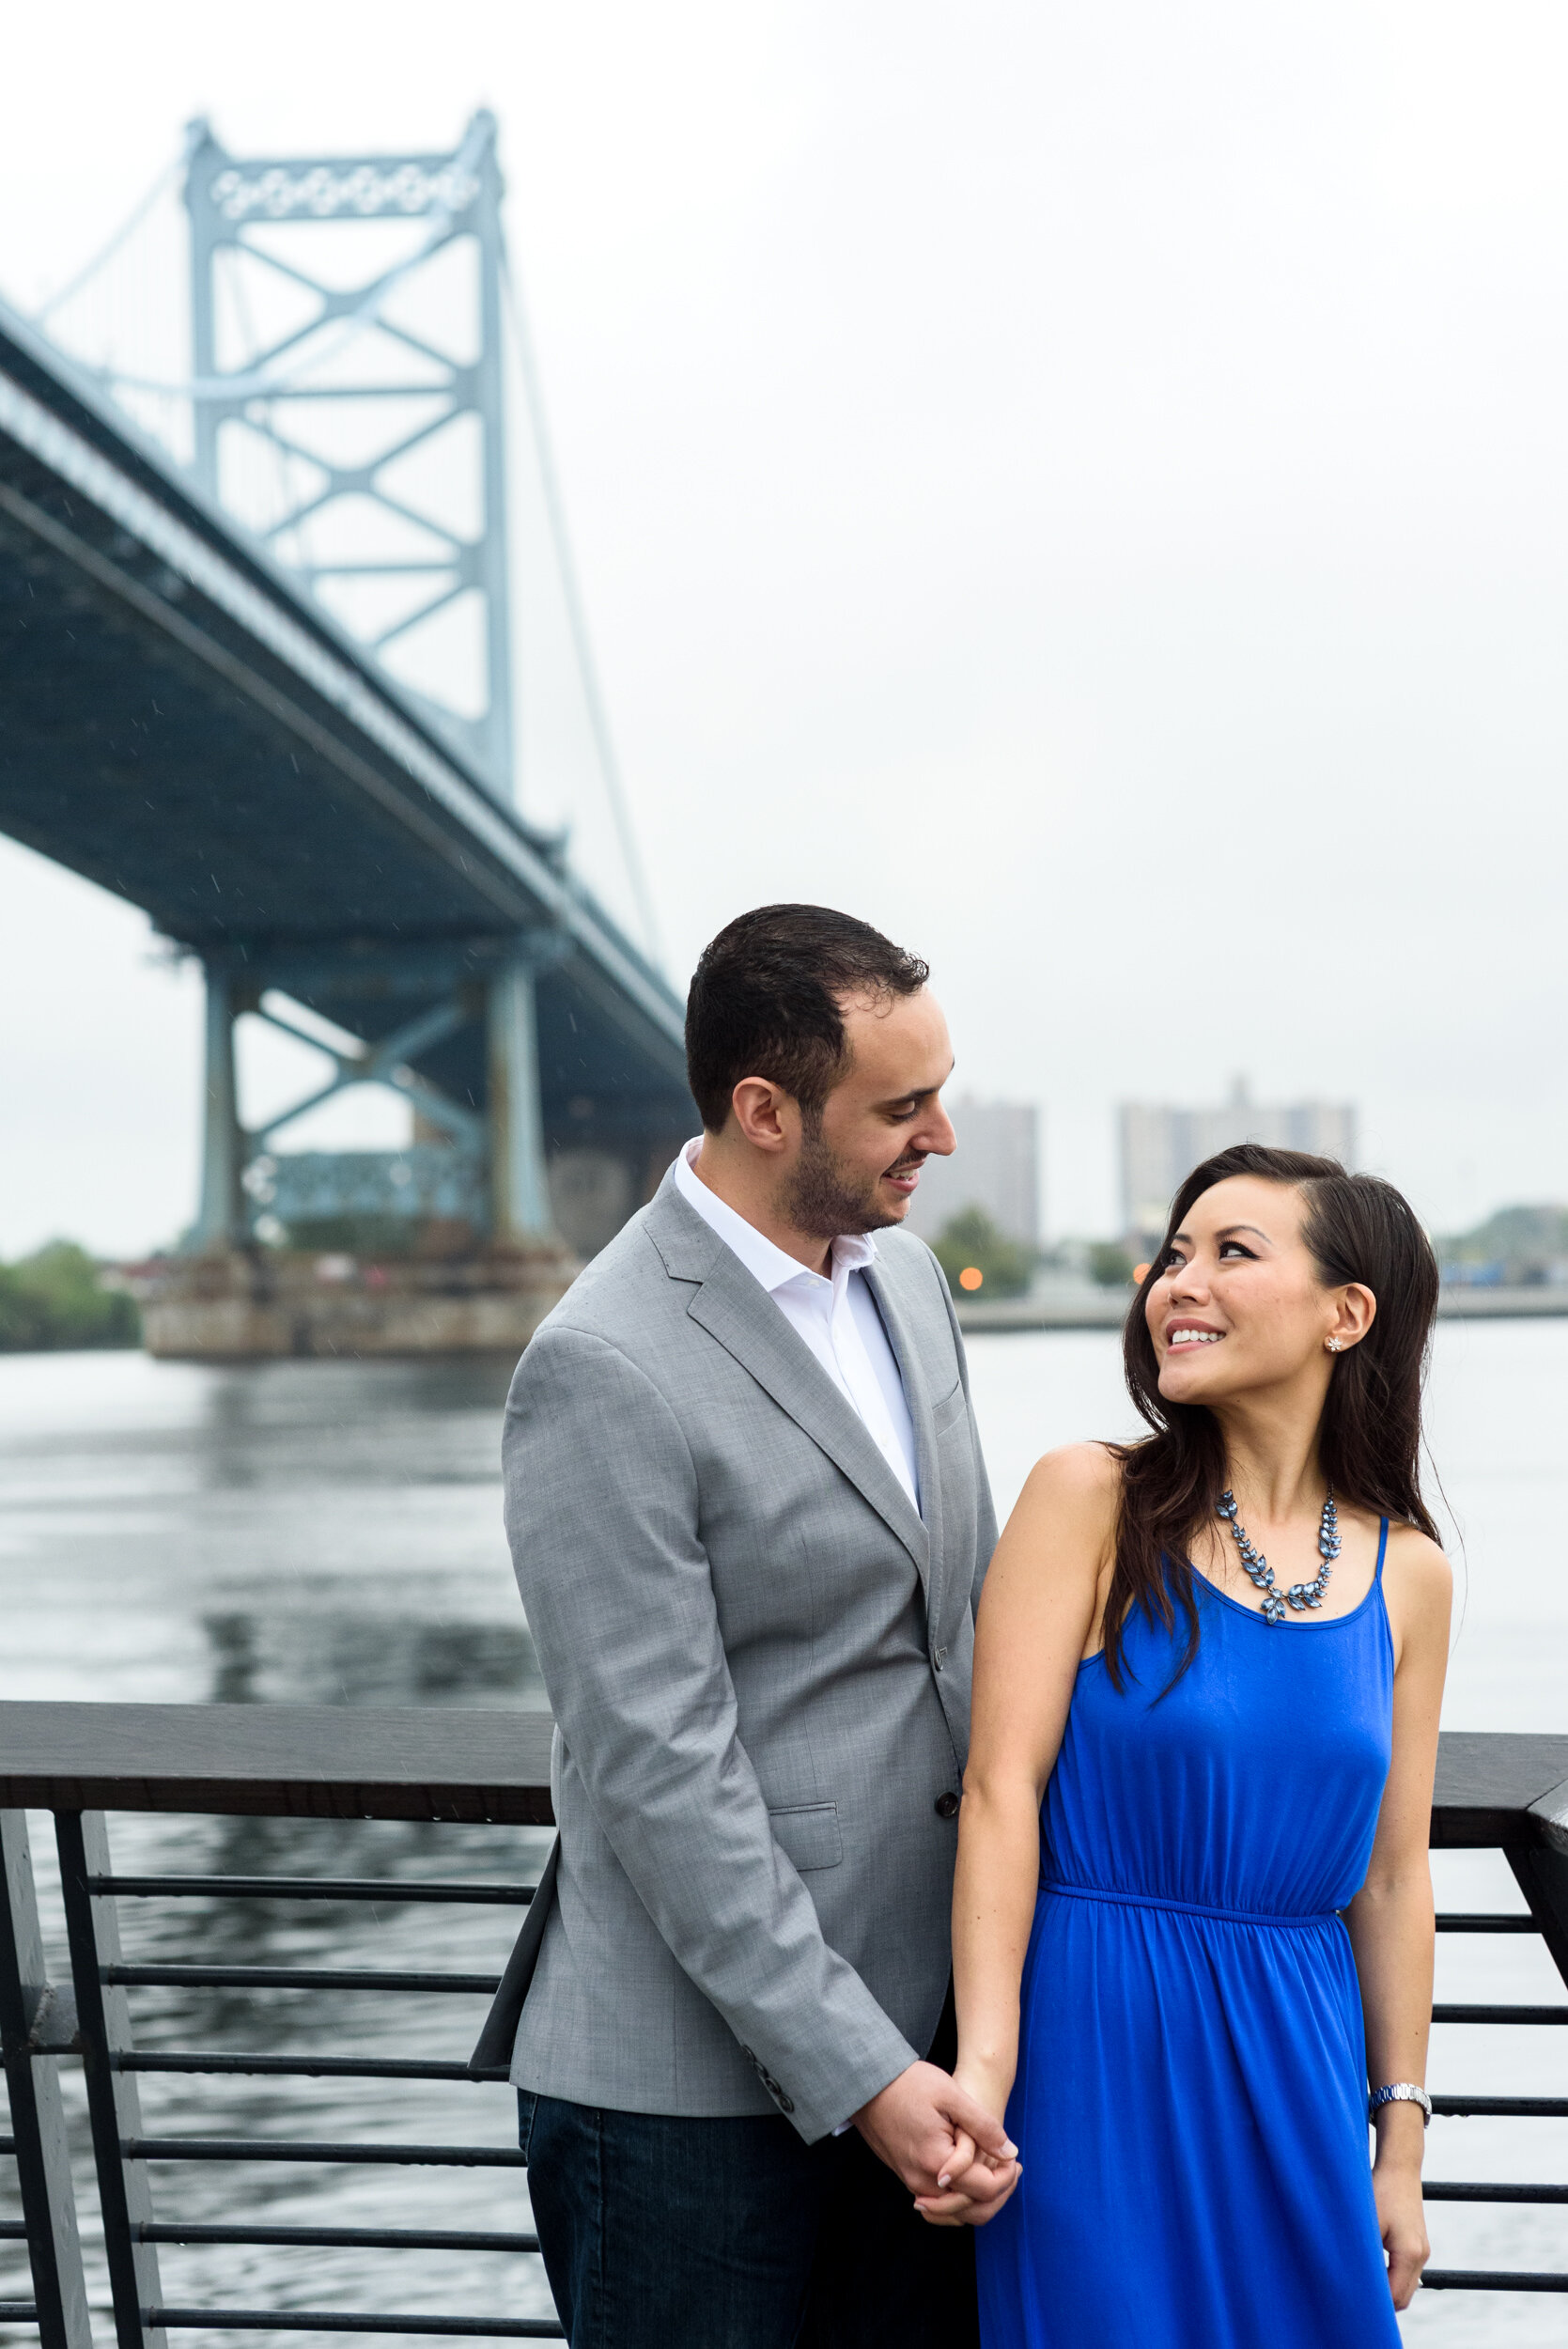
261, 687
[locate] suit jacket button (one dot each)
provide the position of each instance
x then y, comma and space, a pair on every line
946, 1806
939, 1657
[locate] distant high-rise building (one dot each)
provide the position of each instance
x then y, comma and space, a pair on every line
995, 1166
1162, 1147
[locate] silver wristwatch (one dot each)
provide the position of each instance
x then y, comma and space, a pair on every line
1401, 2093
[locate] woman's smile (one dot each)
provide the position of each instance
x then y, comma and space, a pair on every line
1189, 1333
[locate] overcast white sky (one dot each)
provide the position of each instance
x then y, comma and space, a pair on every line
1082, 486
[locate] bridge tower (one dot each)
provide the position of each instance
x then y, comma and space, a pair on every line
349, 408
349, 404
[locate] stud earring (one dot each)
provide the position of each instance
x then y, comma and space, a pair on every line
1336, 1345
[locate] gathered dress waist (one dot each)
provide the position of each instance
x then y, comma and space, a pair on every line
1188, 1908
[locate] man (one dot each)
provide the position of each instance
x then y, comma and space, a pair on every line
749, 1520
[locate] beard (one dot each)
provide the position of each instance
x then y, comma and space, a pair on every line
827, 1199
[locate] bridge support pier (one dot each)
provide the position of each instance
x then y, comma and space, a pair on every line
519, 1188
220, 1218
230, 1297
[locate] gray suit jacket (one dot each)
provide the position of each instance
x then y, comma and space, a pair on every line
758, 1656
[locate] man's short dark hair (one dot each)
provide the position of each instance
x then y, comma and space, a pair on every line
766, 998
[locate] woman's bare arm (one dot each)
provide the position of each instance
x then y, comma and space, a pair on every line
1391, 1921
1039, 1612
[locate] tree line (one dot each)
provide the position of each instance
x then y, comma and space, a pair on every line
54, 1301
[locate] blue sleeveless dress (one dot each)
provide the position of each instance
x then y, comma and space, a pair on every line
1191, 2102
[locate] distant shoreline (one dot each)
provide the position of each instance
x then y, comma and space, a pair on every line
1108, 1312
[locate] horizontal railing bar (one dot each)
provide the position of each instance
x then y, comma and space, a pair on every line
1508, 1920
308, 1889
1500, 2013
296, 1978
8, 2144
333, 2321
1500, 2108
1493, 2280
25, 2312
301, 2066
442, 1764
12, 2231
338, 2238
1480, 2190
304, 2149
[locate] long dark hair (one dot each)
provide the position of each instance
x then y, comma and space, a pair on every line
1358, 1228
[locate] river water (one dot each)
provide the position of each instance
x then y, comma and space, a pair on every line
330, 1533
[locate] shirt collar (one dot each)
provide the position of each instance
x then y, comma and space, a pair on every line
761, 1259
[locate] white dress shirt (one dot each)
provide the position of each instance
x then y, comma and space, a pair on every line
837, 1318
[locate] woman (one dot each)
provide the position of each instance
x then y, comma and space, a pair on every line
1216, 1656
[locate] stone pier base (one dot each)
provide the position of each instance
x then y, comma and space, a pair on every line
251, 1305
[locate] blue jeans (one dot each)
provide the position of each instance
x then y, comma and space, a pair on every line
667, 2234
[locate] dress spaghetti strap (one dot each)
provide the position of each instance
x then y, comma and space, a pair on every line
1382, 1553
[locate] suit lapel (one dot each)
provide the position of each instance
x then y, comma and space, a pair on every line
917, 1394
737, 1312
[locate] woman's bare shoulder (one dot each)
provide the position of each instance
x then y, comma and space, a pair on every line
1059, 1537
1417, 1584
1419, 1566
1081, 1481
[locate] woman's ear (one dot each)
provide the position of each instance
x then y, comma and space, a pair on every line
1355, 1311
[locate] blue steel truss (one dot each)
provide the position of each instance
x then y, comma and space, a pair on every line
346, 390
182, 724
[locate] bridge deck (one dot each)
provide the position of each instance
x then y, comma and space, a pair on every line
178, 727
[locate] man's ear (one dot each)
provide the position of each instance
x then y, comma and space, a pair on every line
763, 1113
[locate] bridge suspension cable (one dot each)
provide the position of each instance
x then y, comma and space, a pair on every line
577, 618
122, 234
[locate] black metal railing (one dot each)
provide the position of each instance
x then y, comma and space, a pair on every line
277, 1763
84, 1762
1508, 1793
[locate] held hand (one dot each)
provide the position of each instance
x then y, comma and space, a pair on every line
926, 2127
976, 2183
1401, 2223
986, 2186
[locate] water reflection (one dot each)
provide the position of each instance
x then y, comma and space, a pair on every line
306, 1531
326, 1657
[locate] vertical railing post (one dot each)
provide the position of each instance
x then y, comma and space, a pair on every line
1542, 1875
114, 2108
38, 2111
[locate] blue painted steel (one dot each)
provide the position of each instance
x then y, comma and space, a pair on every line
422, 1180
180, 726
405, 389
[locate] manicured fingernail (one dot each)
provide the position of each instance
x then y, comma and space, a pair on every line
1009, 2149
946, 2178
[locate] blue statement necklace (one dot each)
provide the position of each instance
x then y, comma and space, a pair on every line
1300, 1594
